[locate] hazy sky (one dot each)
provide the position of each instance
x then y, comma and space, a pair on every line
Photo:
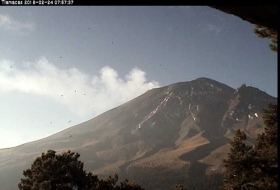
60, 66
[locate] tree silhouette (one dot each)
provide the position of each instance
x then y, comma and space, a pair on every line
254, 167
57, 171
238, 165
64, 171
180, 187
266, 151
264, 32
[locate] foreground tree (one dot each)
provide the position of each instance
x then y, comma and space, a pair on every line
180, 187
238, 163
111, 184
127, 185
254, 167
64, 171
264, 32
57, 171
266, 152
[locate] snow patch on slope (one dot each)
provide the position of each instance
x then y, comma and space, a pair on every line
193, 117
227, 133
250, 106
191, 91
163, 102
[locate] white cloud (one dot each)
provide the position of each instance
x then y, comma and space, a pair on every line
82, 94
9, 23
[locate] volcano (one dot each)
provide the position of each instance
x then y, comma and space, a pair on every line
180, 130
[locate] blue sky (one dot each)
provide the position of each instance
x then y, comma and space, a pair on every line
73, 63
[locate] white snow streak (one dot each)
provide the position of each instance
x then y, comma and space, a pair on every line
180, 99
193, 116
163, 102
227, 133
192, 91
250, 117
250, 106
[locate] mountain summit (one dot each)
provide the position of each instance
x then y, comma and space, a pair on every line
164, 130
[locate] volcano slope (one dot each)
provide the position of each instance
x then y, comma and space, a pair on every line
164, 137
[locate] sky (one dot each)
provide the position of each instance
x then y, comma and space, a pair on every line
61, 66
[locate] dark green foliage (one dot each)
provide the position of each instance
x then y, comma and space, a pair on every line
266, 152
110, 184
264, 32
180, 187
64, 171
127, 185
256, 166
237, 164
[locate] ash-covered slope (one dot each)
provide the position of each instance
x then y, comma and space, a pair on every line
164, 127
